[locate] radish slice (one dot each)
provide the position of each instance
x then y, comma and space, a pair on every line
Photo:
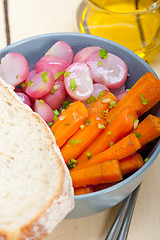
78, 82
14, 68
40, 85
44, 110
25, 99
85, 53
29, 78
118, 91
121, 95
61, 49
112, 71
57, 96
54, 64
97, 88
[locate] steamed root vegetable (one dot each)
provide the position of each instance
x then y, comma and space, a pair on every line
85, 53
87, 132
98, 88
109, 70
83, 190
107, 172
54, 64
61, 49
25, 99
124, 148
78, 81
56, 96
130, 164
69, 122
118, 128
141, 97
148, 129
14, 68
40, 85
43, 110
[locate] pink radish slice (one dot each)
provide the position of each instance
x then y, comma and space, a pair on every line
25, 99
119, 90
121, 95
112, 71
97, 88
78, 82
85, 53
40, 85
61, 49
29, 78
54, 64
58, 95
14, 68
44, 110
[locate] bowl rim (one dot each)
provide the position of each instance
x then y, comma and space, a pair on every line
156, 148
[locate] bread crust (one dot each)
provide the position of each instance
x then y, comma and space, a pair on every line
59, 206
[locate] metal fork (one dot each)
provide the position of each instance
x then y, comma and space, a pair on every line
120, 227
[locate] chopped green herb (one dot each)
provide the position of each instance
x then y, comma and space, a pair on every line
100, 63
146, 159
57, 75
144, 100
55, 118
103, 53
29, 83
56, 112
112, 104
52, 91
52, 132
100, 94
101, 126
45, 76
136, 122
109, 133
105, 113
106, 100
111, 144
73, 141
41, 100
81, 126
66, 74
88, 155
91, 99
73, 84
138, 135
65, 104
50, 124
23, 84
87, 121
109, 122
72, 163
17, 76
128, 89
55, 87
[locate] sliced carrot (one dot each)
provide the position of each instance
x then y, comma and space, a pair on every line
148, 129
119, 127
69, 121
102, 103
83, 137
124, 148
130, 164
83, 190
142, 96
101, 173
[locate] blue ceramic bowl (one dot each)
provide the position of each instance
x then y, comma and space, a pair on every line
33, 49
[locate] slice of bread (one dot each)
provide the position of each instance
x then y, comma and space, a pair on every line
35, 186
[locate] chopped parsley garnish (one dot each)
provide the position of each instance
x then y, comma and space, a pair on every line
55, 87
100, 94
111, 144
72, 163
65, 104
109, 133
55, 118
81, 126
50, 124
23, 84
128, 89
138, 135
29, 83
136, 122
73, 141
41, 100
144, 100
105, 113
66, 74
100, 63
103, 53
87, 121
73, 84
57, 75
91, 99
101, 126
56, 113
146, 159
44, 76
106, 100
88, 155
17, 76
112, 104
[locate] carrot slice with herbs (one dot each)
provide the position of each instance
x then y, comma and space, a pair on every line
141, 97
101, 173
119, 127
69, 121
130, 164
92, 127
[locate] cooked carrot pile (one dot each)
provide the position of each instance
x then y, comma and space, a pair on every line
100, 144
